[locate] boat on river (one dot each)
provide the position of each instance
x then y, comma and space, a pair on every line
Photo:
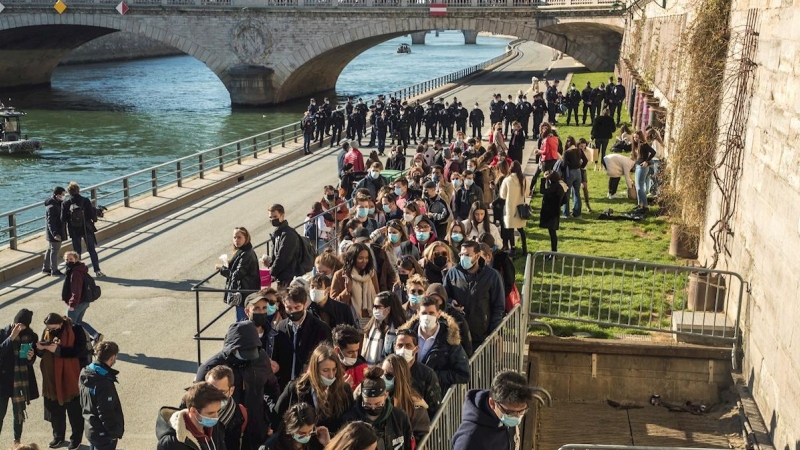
12, 141
404, 48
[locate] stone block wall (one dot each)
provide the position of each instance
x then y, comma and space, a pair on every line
120, 46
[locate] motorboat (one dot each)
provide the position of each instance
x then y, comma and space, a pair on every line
12, 141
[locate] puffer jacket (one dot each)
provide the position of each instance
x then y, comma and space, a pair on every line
102, 410
481, 294
447, 358
173, 434
242, 272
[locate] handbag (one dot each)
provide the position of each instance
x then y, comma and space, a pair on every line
524, 211
513, 298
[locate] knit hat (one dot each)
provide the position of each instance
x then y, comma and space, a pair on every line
438, 290
24, 316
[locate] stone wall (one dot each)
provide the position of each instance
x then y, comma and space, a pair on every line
120, 46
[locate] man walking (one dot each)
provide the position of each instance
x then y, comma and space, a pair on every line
55, 232
102, 409
79, 215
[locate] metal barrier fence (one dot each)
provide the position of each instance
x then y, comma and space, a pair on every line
121, 191
685, 301
504, 349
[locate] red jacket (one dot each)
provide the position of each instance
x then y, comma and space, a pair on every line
549, 150
72, 292
355, 158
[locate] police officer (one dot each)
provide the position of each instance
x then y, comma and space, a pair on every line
509, 114
552, 101
373, 117
539, 108
598, 95
326, 108
610, 103
361, 107
496, 109
430, 121
358, 124
337, 124
619, 97
461, 118
403, 127
447, 120
321, 123
573, 101
381, 127
349, 107
476, 121
524, 110
312, 106
419, 118
587, 95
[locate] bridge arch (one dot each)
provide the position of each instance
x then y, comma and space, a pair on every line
317, 67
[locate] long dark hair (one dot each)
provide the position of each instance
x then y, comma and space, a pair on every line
516, 169
396, 316
352, 255
355, 436
471, 219
296, 417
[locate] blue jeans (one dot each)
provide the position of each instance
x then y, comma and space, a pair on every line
90, 247
642, 176
77, 318
652, 180
51, 255
307, 138
573, 181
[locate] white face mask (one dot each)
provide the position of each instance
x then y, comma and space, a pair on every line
427, 322
407, 354
317, 295
378, 314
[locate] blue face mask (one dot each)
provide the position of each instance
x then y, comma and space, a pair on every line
435, 178
414, 298
457, 237
466, 262
362, 212
398, 192
371, 210
301, 439
510, 421
389, 383
423, 236
394, 238
375, 174
456, 183
208, 422
271, 309
387, 209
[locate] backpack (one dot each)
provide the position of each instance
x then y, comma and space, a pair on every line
310, 229
91, 291
308, 253
77, 217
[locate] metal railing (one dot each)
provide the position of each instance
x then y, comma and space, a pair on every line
627, 447
28, 221
345, 4
504, 349
684, 301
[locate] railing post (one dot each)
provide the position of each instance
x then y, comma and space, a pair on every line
239, 153
255, 147
201, 167
283, 137
93, 194
269, 141
12, 231
154, 182
294, 132
179, 174
126, 192
221, 161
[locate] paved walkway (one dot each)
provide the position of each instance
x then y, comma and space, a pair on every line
146, 305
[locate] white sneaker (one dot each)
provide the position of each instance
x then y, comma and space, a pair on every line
99, 274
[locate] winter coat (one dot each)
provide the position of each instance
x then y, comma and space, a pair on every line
439, 212
373, 185
463, 329
252, 379
286, 252
480, 428
290, 397
516, 145
52, 218
9, 352
102, 410
446, 357
242, 273
396, 162
393, 426
618, 166
433, 273
552, 199
474, 232
72, 289
514, 194
549, 148
463, 200
173, 434
88, 213
482, 296
426, 383
334, 313
386, 272
603, 127
503, 264
287, 348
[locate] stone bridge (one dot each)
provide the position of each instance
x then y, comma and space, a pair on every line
271, 51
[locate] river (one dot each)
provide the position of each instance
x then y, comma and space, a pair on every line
100, 121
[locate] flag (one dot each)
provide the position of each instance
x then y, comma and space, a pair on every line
438, 9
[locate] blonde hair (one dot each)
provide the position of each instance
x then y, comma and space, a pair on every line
417, 279
75, 255
429, 250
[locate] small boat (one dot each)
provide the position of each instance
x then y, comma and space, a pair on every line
404, 48
11, 138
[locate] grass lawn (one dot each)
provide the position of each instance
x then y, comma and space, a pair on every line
646, 240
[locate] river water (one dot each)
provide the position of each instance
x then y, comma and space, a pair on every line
101, 121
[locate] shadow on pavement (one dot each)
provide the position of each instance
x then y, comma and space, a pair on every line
153, 362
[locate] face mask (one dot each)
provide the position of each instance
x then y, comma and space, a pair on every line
403, 278
407, 354
423, 236
260, 319
275, 222
394, 238
330, 196
456, 183
435, 178
371, 210
427, 322
327, 381
389, 383
374, 412
296, 316
414, 299
468, 182
207, 422
398, 191
440, 261
408, 217
472, 169
317, 295
466, 262
509, 421
378, 314
455, 158
60, 198
457, 237
374, 174
362, 212
387, 209
301, 439
271, 309
70, 265
349, 362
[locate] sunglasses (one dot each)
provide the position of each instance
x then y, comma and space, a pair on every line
416, 292
440, 254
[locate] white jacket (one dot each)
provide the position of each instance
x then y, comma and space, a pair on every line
618, 166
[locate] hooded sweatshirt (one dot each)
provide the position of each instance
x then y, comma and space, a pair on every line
101, 406
392, 426
480, 428
72, 290
175, 430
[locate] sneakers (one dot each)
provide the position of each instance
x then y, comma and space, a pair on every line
55, 443
74, 445
99, 274
46, 271
57, 273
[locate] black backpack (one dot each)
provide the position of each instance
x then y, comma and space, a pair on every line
91, 291
77, 217
308, 253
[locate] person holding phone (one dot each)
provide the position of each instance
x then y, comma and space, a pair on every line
17, 357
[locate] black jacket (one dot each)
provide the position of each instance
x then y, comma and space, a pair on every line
447, 358
573, 98
334, 313
397, 162
102, 410
242, 272
88, 213
253, 379
312, 332
393, 426
425, 382
480, 428
476, 117
463, 200
286, 252
52, 218
9, 353
291, 397
603, 127
502, 263
482, 296
172, 433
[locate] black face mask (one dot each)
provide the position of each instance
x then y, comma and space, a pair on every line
70, 265
330, 196
403, 278
374, 412
295, 316
55, 332
440, 261
260, 319
275, 222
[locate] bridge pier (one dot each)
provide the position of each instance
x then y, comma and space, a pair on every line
470, 37
251, 86
418, 38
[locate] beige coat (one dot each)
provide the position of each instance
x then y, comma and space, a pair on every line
513, 194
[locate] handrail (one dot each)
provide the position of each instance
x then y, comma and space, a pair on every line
206, 160
628, 447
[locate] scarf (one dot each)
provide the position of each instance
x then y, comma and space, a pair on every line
21, 386
373, 343
362, 292
60, 375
